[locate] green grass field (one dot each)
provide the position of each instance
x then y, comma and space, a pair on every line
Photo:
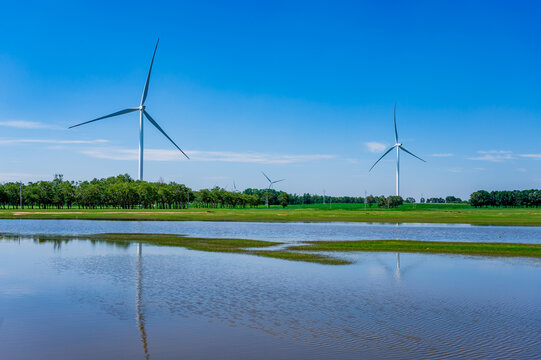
405, 207
419, 213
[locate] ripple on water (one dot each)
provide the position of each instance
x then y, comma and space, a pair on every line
308, 304
433, 307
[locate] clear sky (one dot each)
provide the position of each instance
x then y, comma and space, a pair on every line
300, 90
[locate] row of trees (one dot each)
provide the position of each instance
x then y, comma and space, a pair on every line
516, 198
124, 192
120, 192
305, 198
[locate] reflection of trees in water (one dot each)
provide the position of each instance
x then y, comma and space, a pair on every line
139, 300
59, 240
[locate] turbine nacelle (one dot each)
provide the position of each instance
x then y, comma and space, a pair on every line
142, 108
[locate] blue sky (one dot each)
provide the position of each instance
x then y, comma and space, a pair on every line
300, 90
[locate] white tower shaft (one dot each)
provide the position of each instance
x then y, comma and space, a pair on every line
141, 145
398, 171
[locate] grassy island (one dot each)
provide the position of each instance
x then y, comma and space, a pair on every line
311, 251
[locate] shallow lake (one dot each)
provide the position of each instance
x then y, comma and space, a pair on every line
283, 232
89, 300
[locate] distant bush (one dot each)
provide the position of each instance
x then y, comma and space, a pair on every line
390, 202
283, 198
515, 198
452, 199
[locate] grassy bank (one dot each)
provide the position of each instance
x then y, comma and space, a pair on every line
420, 213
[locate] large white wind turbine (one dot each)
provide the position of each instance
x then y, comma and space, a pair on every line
142, 111
398, 147
270, 186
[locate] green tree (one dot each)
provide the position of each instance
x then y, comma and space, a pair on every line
283, 198
394, 201
480, 198
370, 200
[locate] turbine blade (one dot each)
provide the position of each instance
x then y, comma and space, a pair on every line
395, 130
382, 156
265, 175
121, 112
163, 132
412, 154
145, 91
277, 181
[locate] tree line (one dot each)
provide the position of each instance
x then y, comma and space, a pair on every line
124, 192
295, 199
117, 192
514, 198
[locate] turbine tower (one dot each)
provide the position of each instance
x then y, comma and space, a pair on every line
142, 111
398, 147
270, 186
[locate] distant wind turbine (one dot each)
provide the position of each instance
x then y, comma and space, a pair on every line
142, 111
270, 186
398, 147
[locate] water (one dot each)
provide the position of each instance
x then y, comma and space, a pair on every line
89, 300
283, 232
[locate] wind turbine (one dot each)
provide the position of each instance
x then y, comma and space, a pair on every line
142, 111
398, 147
270, 186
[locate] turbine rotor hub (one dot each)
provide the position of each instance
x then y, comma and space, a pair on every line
142, 107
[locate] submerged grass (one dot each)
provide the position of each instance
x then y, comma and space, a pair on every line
437, 247
309, 252
235, 246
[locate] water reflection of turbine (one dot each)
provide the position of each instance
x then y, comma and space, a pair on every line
139, 300
397, 272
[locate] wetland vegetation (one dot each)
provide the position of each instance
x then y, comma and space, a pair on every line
309, 251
